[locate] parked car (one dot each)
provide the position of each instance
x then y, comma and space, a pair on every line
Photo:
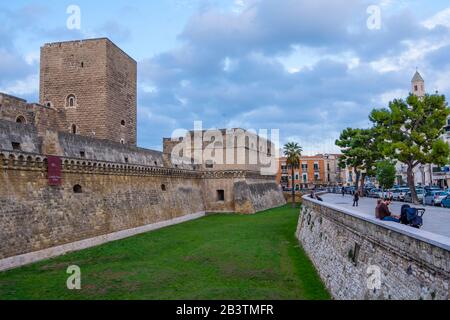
434, 198
375, 193
389, 194
400, 194
420, 193
432, 188
446, 202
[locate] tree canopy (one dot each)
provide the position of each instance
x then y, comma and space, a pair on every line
359, 151
386, 174
410, 131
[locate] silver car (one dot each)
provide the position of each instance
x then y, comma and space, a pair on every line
420, 194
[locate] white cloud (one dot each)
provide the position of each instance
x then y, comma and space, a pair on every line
442, 18
409, 59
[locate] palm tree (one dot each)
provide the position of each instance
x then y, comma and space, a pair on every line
293, 152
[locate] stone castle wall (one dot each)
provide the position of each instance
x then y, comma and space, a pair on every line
347, 248
35, 216
24, 134
114, 197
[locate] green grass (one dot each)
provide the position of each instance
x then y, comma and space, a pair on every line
216, 257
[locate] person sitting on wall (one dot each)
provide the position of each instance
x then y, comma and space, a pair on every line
314, 196
377, 209
385, 214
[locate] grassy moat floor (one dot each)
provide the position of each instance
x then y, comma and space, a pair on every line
216, 257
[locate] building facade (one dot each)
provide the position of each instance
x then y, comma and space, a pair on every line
313, 171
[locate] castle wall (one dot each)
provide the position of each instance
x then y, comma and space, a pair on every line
24, 134
347, 248
72, 146
244, 192
106, 150
115, 197
254, 195
12, 107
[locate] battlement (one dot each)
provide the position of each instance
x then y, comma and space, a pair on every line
78, 43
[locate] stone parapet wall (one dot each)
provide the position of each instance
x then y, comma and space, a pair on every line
352, 252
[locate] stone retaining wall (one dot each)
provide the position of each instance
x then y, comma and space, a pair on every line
352, 252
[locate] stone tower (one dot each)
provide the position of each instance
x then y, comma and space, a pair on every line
418, 85
92, 85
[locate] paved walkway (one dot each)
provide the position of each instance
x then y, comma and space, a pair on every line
435, 220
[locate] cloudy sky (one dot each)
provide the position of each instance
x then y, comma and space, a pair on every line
308, 68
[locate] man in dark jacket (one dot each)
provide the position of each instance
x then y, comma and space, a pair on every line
356, 199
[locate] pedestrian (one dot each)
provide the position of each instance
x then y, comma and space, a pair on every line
343, 192
356, 199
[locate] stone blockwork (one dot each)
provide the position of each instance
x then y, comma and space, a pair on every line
111, 198
253, 195
348, 249
100, 197
20, 135
102, 81
75, 146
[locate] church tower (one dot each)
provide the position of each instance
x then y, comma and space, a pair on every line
418, 85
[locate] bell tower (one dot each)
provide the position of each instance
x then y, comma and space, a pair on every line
418, 85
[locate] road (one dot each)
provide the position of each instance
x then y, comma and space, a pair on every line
435, 220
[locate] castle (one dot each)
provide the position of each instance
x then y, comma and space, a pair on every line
73, 176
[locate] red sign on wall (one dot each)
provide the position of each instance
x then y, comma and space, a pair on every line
54, 171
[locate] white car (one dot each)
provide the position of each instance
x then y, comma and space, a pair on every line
399, 194
434, 198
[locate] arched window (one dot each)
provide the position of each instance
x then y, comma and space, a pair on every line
77, 189
122, 141
71, 101
163, 187
122, 123
74, 129
21, 119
